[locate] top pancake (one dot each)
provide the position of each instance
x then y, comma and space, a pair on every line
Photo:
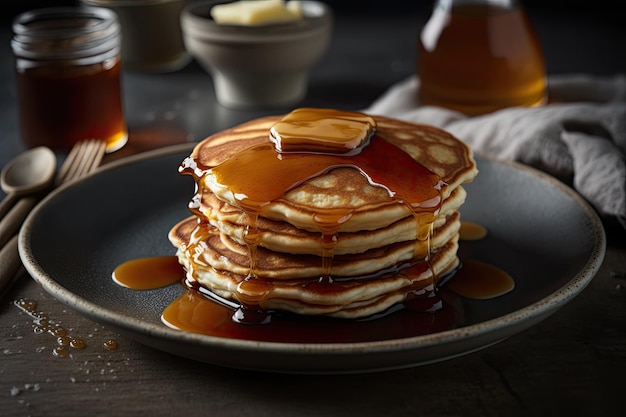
371, 207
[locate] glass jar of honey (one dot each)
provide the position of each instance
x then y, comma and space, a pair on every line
478, 56
67, 63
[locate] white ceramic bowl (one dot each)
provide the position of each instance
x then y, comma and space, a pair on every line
257, 66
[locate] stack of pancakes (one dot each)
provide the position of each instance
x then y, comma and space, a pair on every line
374, 250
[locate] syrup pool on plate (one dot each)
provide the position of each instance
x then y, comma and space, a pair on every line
199, 311
304, 145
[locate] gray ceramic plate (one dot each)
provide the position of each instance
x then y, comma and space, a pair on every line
540, 231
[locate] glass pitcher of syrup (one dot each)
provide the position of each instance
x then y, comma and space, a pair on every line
478, 56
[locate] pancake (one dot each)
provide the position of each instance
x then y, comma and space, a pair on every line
291, 283
294, 222
284, 237
218, 251
371, 207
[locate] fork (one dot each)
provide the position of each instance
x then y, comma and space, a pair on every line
84, 157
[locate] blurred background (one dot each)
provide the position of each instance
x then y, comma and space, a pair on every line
350, 75
385, 6
569, 28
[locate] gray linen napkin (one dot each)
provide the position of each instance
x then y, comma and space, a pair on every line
579, 137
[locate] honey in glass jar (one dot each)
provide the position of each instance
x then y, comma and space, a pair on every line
478, 56
67, 63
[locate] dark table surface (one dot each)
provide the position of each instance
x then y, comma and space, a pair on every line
573, 363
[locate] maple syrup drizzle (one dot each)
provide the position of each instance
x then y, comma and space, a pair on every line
198, 310
303, 145
43, 324
480, 281
322, 130
472, 231
110, 344
148, 273
262, 174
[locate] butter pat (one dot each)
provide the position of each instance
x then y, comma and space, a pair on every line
322, 131
256, 12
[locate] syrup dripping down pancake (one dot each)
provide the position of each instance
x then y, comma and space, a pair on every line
373, 208
292, 284
214, 250
341, 241
284, 237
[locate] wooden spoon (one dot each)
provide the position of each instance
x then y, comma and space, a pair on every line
30, 172
26, 175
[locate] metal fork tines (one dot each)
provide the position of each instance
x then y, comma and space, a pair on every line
84, 157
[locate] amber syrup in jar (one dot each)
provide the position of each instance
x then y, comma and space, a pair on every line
480, 56
67, 63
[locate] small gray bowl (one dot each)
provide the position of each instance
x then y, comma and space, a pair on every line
257, 66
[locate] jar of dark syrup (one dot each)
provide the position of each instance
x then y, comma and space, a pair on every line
478, 56
67, 63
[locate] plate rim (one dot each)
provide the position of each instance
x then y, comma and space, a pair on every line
536, 311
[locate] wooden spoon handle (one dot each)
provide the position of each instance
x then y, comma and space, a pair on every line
9, 263
11, 223
7, 203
